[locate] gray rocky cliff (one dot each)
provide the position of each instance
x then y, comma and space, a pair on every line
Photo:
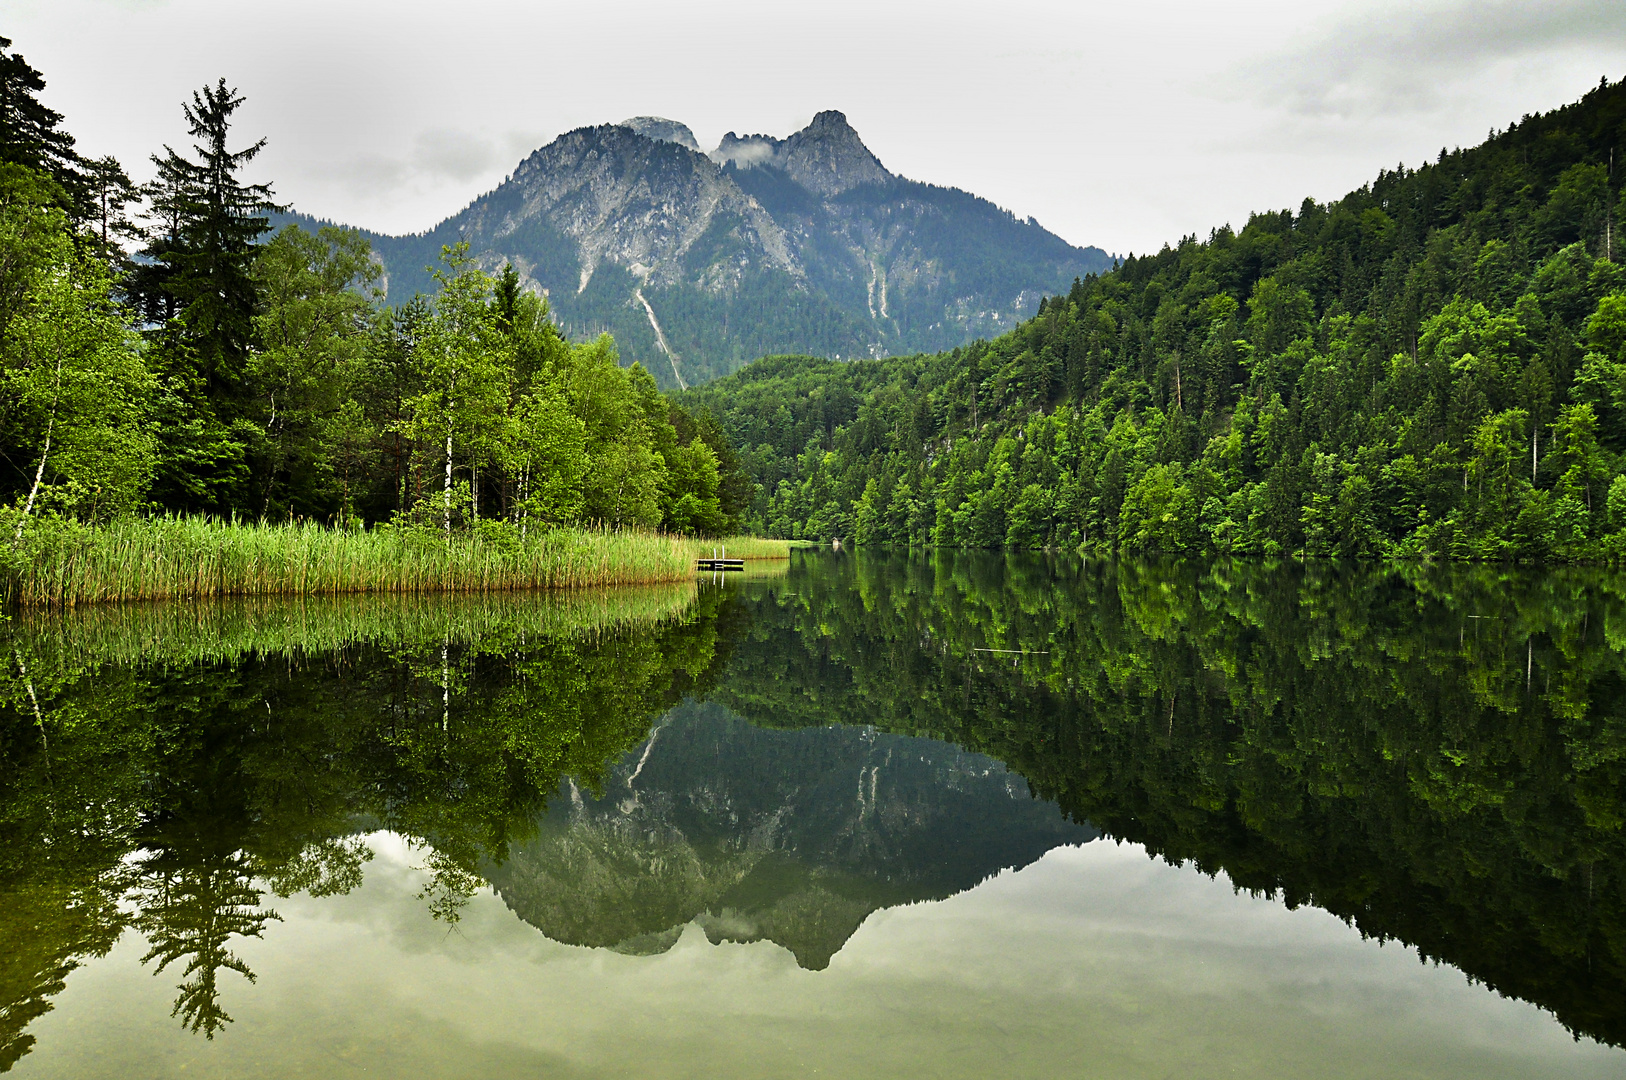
661, 129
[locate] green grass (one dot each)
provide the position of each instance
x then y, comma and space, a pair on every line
196, 558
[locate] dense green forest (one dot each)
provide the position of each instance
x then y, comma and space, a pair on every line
187, 359
1433, 365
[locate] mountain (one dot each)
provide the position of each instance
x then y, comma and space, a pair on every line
753, 834
699, 263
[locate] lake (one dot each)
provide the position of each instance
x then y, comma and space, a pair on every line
957, 815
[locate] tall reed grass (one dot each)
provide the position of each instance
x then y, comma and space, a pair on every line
195, 558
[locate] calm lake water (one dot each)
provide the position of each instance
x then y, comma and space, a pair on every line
965, 816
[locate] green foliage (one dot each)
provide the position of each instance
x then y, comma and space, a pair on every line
31, 135
74, 391
1432, 366
271, 385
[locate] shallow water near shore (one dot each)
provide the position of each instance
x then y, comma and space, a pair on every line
965, 815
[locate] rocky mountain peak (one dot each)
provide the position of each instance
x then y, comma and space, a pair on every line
826, 157
697, 263
749, 151
662, 130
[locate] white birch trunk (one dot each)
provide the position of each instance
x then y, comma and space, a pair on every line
39, 474
446, 492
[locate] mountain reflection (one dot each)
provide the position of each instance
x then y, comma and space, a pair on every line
795, 837
1436, 755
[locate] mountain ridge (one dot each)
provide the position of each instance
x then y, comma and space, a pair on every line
698, 263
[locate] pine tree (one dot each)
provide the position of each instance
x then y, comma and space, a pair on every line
109, 192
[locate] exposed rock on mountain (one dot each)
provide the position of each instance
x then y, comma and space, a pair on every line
790, 836
661, 129
700, 263
827, 157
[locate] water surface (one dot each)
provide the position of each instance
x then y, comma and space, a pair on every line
965, 816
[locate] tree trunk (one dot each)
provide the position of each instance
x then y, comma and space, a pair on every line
39, 474
446, 492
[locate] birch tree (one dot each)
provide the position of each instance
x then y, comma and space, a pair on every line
462, 354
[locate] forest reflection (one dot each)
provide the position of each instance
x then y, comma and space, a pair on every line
1435, 754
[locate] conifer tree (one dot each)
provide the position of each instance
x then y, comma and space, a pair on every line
210, 225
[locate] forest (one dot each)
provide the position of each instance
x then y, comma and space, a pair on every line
1433, 366
164, 351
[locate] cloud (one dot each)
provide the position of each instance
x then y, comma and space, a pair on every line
453, 155
745, 153
1403, 60
439, 158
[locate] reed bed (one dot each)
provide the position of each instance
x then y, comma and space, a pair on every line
175, 558
748, 547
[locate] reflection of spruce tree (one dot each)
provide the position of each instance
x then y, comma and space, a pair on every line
175, 787
189, 914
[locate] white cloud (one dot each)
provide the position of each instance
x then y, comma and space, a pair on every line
1409, 59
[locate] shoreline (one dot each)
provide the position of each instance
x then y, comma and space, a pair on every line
174, 558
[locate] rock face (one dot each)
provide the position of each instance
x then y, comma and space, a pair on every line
661, 129
827, 157
789, 836
700, 263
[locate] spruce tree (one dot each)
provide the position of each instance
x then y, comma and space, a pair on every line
211, 224
197, 291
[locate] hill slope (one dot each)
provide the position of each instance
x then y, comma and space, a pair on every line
1433, 365
698, 263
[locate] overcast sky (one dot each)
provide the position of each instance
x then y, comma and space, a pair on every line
1122, 124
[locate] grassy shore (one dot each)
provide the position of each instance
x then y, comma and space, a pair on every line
196, 558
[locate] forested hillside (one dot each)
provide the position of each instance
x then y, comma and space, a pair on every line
1434, 364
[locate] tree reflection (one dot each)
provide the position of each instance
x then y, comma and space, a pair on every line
190, 913
186, 776
1435, 754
